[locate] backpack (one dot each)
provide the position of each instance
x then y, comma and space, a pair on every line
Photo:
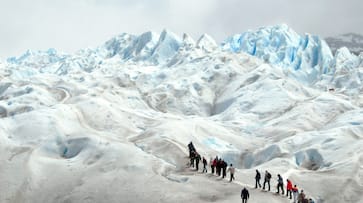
268, 175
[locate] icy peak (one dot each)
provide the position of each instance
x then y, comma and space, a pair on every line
206, 43
166, 47
188, 40
145, 41
33, 57
118, 44
153, 48
344, 60
149, 47
168, 35
141, 47
282, 46
343, 53
282, 30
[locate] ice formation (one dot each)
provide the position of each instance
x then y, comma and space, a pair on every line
113, 123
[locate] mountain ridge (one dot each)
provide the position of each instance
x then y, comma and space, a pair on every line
307, 57
353, 41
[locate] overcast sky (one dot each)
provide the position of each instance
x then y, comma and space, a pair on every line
69, 25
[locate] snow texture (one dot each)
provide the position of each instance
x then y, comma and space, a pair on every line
112, 123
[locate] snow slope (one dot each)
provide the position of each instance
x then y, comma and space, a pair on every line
112, 124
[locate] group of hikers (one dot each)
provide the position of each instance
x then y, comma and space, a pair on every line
291, 191
219, 167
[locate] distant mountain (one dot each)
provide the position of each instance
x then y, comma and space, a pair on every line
353, 41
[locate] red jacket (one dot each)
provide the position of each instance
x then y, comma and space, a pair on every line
214, 162
289, 185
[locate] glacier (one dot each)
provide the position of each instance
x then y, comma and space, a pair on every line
281, 46
307, 58
112, 123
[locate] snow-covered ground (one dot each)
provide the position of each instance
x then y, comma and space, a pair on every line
112, 124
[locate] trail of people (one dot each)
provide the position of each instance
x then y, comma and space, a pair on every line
244, 191
227, 192
219, 171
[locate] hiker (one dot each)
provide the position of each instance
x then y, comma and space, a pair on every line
224, 168
192, 158
245, 195
280, 184
211, 163
216, 163
301, 197
289, 188
218, 166
197, 159
231, 171
191, 149
258, 178
311, 200
295, 192
267, 180
204, 165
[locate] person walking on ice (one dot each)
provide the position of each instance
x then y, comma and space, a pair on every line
218, 166
245, 195
295, 193
224, 168
204, 165
211, 163
197, 159
191, 149
258, 178
215, 165
288, 188
192, 158
301, 197
231, 171
280, 184
267, 180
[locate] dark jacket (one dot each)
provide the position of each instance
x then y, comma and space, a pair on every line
197, 158
280, 180
245, 194
258, 175
204, 161
267, 176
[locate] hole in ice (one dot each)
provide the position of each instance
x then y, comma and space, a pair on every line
354, 123
73, 147
310, 159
